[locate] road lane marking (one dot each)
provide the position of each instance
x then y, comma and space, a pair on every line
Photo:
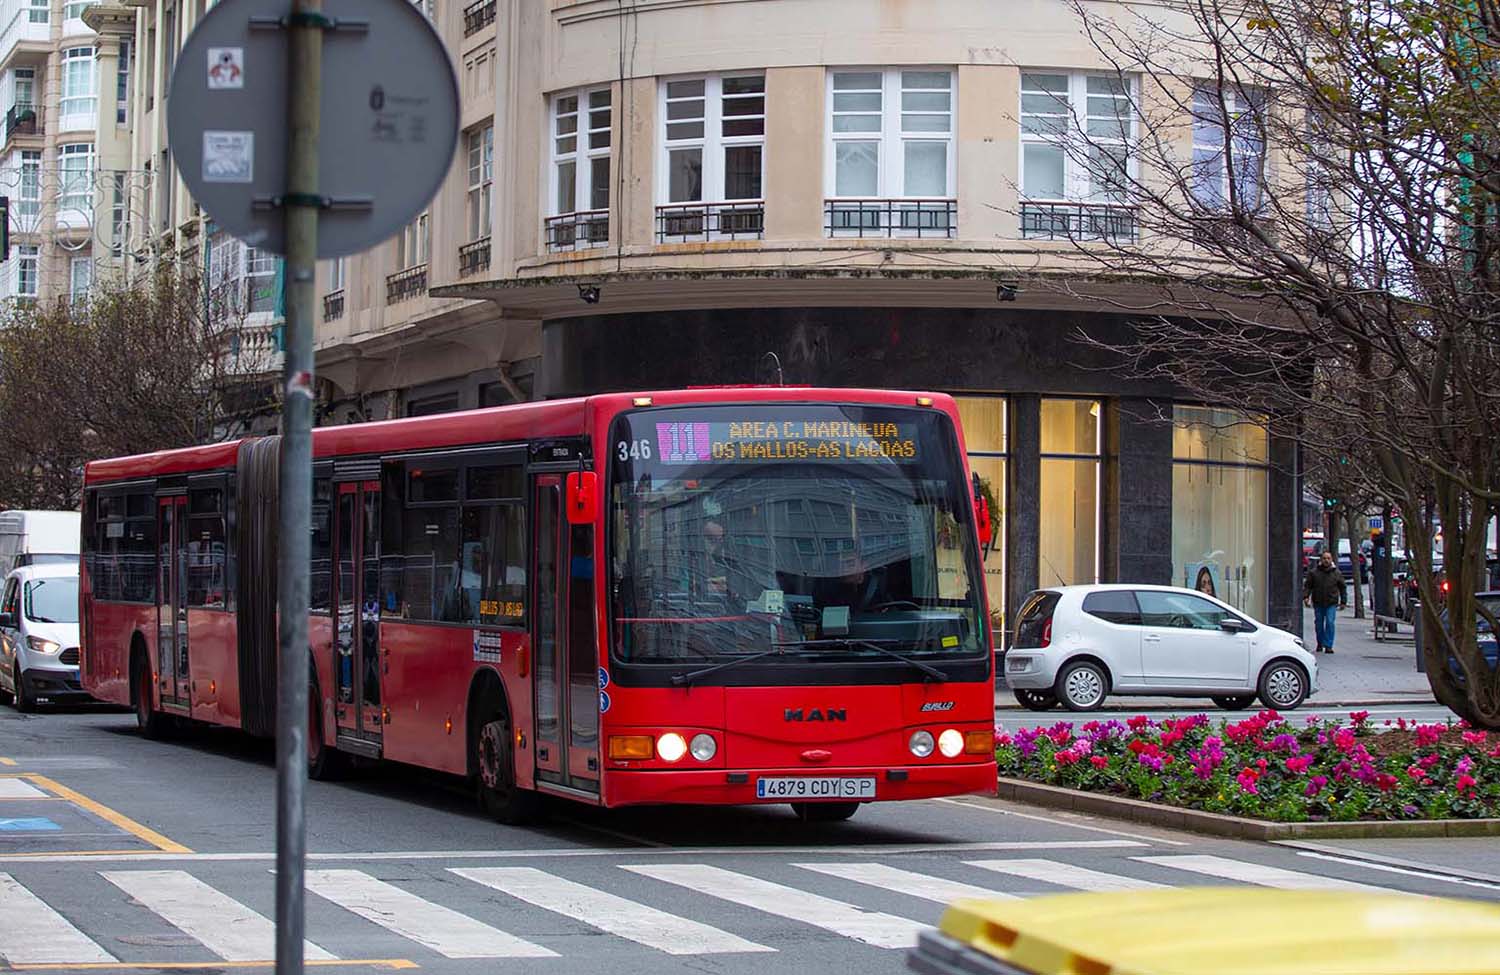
109, 815
903, 881
444, 930
7, 761
222, 924
1408, 871
1261, 874
1064, 874
870, 927
33, 933
20, 789
873, 849
608, 912
1058, 821
398, 964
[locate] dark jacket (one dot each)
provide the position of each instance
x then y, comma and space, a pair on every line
1325, 586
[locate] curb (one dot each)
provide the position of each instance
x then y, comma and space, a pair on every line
1233, 827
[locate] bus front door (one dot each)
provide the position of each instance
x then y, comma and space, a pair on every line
358, 662
173, 674
566, 671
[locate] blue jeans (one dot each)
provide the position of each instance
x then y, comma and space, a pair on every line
1323, 620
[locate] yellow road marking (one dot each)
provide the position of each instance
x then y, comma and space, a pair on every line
109, 815
390, 963
7, 761
78, 853
32, 799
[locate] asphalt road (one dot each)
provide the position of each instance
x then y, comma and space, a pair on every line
130, 854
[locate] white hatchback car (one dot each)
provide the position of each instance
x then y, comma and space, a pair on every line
1076, 645
39, 636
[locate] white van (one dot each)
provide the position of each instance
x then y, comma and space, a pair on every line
37, 538
39, 636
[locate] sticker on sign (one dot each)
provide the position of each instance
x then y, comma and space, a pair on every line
226, 68
228, 157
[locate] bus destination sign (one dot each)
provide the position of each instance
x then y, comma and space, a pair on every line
758, 441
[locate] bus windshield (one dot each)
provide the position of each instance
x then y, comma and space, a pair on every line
820, 532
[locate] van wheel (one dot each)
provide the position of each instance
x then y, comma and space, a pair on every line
151, 722
1082, 686
1035, 700
23, 701
6, 697
1238, 702
499, 796
824, 812
1283, 685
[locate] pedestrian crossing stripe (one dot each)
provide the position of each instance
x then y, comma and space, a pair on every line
34, 933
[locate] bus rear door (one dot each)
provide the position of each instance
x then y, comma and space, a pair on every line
173, 675
359, 664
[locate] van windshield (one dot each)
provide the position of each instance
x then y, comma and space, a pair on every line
48, 558
52, 600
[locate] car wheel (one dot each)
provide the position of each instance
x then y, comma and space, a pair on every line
1283, 685
1082, 686
23, 701
824, 812
1234, 703
1035, 700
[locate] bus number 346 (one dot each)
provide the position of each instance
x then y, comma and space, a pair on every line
633, 449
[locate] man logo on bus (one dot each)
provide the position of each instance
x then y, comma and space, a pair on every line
817, 714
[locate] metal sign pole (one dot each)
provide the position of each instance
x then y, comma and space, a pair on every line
304, 95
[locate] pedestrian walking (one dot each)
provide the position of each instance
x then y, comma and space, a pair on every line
1323, 590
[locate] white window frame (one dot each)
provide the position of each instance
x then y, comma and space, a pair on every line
29, 192
86, 265
892, 138
712, 146
415, 240
480, 159
84, 105
337, 273
28, 254
122, 84
1115, 219
29, 75
73, 9
69, 197
39, 11
119, 213
1241, 102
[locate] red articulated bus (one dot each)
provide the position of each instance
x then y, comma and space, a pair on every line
699, 596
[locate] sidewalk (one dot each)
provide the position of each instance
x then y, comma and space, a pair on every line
1361, 671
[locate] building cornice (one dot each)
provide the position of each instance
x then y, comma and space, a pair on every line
117, 19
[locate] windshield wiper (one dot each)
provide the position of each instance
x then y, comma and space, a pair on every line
678, 680
877, 646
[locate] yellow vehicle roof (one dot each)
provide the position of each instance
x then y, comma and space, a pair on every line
1232, 931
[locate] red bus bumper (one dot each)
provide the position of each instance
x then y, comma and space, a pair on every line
728, 787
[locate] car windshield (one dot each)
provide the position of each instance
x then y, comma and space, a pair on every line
1491, 603
52, 600
805, 528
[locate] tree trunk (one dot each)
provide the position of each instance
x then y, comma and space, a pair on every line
1354, 567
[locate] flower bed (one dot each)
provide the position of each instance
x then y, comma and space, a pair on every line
1268, 768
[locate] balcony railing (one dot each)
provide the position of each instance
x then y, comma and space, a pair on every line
474, 257
1078, 221
406, 284
741, 220
23, 118
478, 16
891, 218
575, 231
333, 305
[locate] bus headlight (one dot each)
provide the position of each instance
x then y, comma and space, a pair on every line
920, 743
951, 743
670, 747
703, 747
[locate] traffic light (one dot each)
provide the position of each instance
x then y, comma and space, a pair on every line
1330, 503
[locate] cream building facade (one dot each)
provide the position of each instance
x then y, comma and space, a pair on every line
837, 192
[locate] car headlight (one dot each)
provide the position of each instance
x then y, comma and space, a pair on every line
670, 747
920, 743
703, 747
951, 743
38, 645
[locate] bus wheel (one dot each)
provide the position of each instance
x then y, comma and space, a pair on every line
324, 763
499, 796
824, 812
151, 722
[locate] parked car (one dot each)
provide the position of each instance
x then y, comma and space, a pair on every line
1489, 645
35, 537
1408, 596
1076, 645
39, 636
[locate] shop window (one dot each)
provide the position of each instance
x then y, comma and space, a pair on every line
984, 420
1219, 505
1070, 468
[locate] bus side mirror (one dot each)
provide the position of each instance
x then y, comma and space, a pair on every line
583, 498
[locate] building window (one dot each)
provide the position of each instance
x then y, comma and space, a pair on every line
242, 280
38, 11
412, 244
78, 90
579, 194
76, 177
891, 138
1069, 522
1076, 161
1219, 505
1214, 169
25, 89
119, 214
80, 277
29, 203
122, 85
73, 9
985, 426
481, 176
713, 152
336, 273
27, 262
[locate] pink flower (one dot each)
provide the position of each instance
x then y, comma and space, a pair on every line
1429, 734
1416, 773
1246, 780
1359, 717
1002, 739
1315, 785
1474, 737
1098, 761
1465, 765
1299, 764
1083, 746
1139, 722
1464, 784
1386, 782
1429, 761
1343, 739
1172, 737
